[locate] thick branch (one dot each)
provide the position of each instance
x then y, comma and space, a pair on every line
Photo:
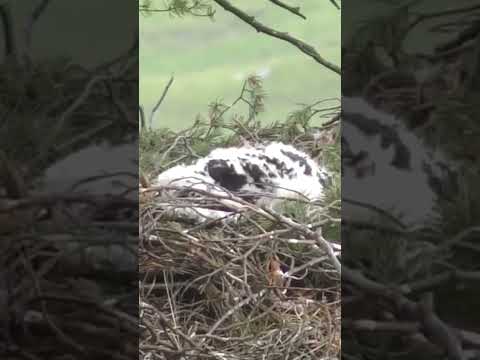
302, 46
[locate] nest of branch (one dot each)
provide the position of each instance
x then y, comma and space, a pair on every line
69, 261
213, 290
407, 287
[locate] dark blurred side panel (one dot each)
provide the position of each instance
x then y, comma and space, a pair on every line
410, 195
68, 179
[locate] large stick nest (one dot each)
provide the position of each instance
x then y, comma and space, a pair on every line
69, 261
414, 293
208, 291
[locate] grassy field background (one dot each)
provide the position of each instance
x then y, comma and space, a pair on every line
210, 60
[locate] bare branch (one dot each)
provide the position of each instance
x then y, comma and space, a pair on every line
6, 18
293, 10
450, 12
372, 325
38, 10
327, 246
142, 117
302, 46
436, 329
62, 120
334, 3
157, 105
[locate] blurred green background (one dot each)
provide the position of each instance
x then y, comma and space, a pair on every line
210, 60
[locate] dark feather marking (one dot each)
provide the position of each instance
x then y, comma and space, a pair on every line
388, 136
300, 159
280, 165
225, 175
255, 173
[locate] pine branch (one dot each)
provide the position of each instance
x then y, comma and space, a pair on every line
302, 46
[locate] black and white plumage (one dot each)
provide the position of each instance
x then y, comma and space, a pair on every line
260, 174
102, 170
387, 167
98, 169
